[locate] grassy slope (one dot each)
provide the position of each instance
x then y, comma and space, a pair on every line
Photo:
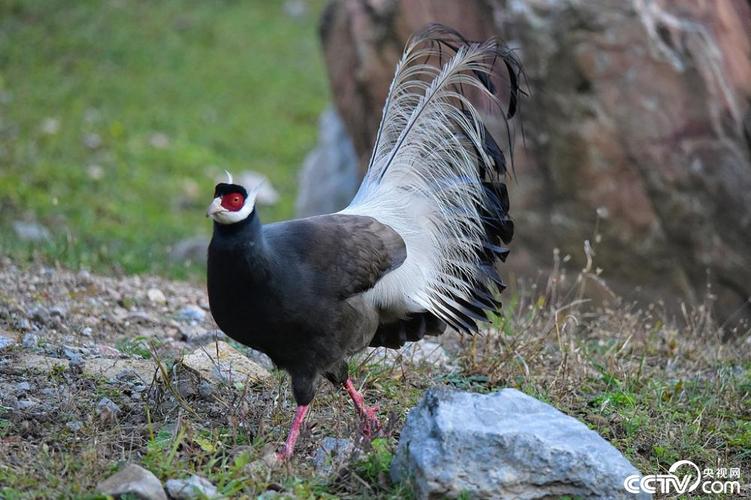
234, 85
659, 389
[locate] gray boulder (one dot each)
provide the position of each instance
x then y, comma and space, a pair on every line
504, 445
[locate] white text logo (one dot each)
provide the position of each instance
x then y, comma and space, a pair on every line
692, 478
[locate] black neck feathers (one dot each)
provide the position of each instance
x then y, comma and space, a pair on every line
244, 236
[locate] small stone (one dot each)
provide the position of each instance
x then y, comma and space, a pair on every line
73, 354
95, 172
30, 341
22, 324
39, 314
107, 410
25, 404
159, 140
75, 425
194, 334
92, 140
31, 231
57, 311
22, 388
50, 126
190, 489
84, 277
332, 455
185, 388
107, 351
87, 331
191, 313
222, 363
133, 480
156, 296
205, 390
6, 342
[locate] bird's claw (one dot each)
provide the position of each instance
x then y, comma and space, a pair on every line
370, 424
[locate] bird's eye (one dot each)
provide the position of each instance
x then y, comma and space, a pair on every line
233, 202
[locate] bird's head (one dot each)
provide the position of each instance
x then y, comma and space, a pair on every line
232, 202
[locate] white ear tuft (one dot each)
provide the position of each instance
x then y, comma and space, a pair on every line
229, 177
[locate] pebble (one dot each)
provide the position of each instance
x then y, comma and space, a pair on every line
107, 351
40, 314
107, 409
25, 404
73, 355
58, 311
156, 296
75, 425
92, 140
84, 277
31, 231
135, 481
205, 390
22, 324
332, 454
22, 388
194, 334
30, 341
6, 342
192, 488
191, 313
87, 331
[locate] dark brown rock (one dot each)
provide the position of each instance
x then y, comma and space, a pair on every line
639, 129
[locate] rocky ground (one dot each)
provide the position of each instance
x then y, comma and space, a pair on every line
98, 372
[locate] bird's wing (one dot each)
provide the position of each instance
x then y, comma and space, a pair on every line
347, 254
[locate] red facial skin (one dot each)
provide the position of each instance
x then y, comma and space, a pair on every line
233, 201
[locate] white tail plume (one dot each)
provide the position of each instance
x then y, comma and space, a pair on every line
437, 177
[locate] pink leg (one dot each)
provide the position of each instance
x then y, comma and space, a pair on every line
294, 433
368, 415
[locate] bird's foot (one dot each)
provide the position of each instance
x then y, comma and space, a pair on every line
370, 424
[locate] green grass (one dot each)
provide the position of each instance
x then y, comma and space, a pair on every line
232, 85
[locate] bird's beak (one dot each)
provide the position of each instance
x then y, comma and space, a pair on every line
215, 207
